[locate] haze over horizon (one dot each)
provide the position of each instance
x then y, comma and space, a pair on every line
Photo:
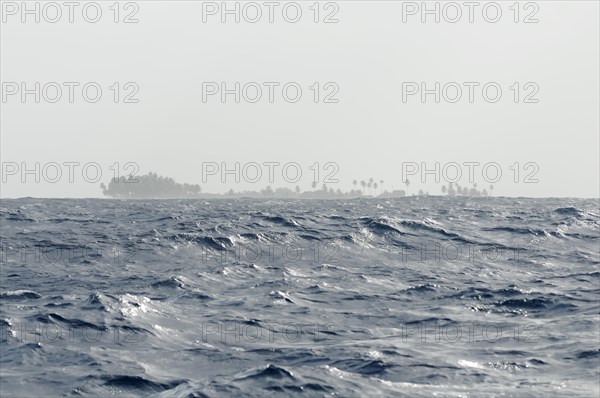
368, 119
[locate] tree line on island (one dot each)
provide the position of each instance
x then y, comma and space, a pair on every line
153, 186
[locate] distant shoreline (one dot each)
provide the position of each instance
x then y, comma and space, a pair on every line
221, 197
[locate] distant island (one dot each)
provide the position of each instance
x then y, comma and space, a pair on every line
153, 186
150, 185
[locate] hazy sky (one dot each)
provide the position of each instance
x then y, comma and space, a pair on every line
370, 58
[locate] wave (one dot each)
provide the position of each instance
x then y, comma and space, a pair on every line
193, 313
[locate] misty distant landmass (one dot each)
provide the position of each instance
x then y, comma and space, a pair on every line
153, 186
150, 185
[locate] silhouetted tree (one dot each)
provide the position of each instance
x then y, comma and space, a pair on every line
148, 186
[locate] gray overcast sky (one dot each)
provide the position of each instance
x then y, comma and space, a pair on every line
368, 55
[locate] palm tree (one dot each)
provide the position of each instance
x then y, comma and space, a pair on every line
298, 189
444, 189
314, 185
363, 184
407, 183
491, 189
381, 184
474, 191
375, 186
354, 183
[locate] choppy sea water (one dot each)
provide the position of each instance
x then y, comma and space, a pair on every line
456, 297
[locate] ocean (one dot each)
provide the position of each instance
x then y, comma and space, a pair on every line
415, 297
